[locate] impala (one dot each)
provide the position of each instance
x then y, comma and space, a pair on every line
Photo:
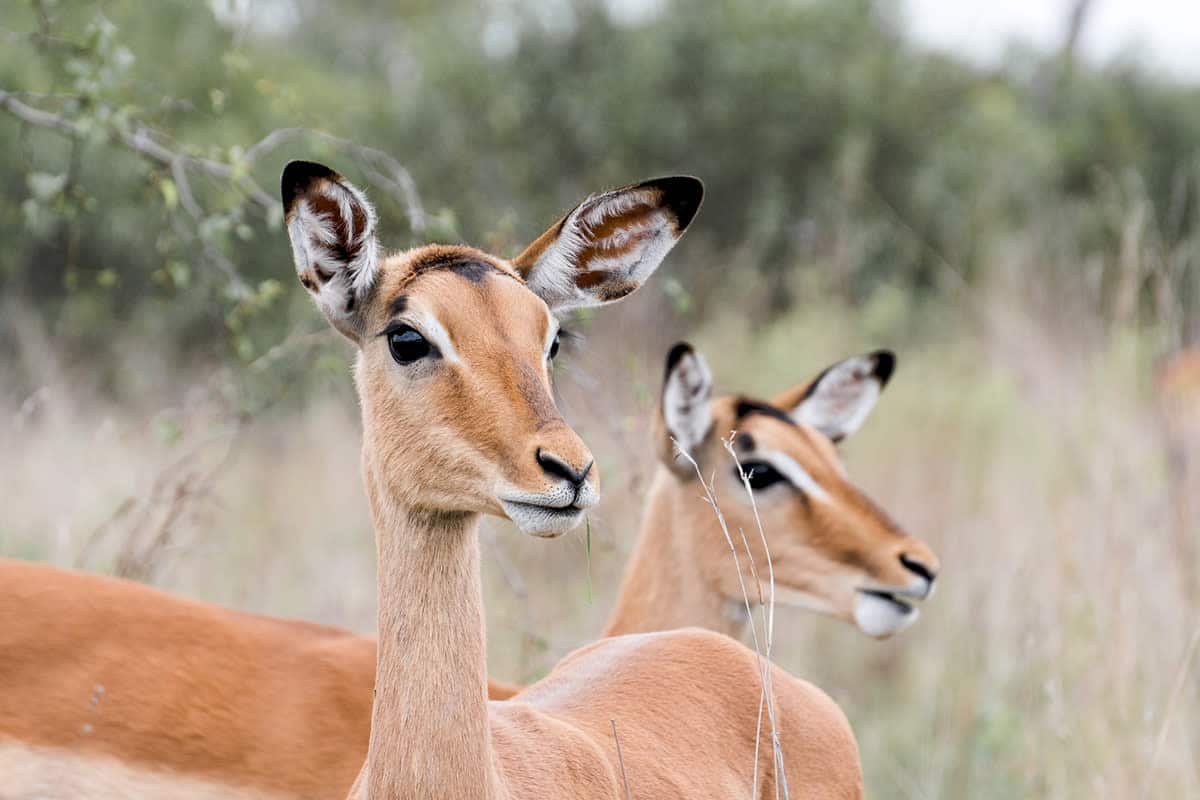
832, 549
454, 349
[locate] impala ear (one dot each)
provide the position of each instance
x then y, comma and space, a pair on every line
685, 412
610, 243
332, 229
838, 400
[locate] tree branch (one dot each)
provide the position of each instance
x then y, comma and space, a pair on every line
381, 168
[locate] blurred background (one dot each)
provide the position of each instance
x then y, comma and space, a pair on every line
1008, 195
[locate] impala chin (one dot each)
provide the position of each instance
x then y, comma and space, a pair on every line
882, 614
549, 514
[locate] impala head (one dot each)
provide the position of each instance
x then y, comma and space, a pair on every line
455, 345
833, 550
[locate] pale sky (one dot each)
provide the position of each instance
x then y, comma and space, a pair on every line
1164, 34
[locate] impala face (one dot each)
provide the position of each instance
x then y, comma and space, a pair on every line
833, 550
455, 345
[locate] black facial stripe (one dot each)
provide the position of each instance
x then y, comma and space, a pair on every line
473, 269
398, 306
746, 406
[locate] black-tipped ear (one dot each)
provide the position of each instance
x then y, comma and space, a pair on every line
610, 243
332, 230
298, 176
678, 351
681, 195
685, 412
885, 365
838, 401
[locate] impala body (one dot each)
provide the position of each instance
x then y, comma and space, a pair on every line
187, 699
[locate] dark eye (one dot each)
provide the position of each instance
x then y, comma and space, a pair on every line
554, 345
760, 474
407, 345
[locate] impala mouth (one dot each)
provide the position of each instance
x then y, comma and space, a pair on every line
891, 597
881, 613
543, 520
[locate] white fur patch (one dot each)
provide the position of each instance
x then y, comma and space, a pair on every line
686, 409
880, 617
549, 513
797, 475
842, 398
43, 773
435, 332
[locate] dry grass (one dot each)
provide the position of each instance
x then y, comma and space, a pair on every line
1024, 445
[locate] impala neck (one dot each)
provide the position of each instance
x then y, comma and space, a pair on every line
429, 725
665, 586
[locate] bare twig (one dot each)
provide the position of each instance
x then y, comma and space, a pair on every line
381, 168
141, 140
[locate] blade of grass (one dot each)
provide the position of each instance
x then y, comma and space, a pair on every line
587, 544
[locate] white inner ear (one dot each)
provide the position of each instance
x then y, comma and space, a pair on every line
685, 399
649, 239
796, 475
844, 395
317, 243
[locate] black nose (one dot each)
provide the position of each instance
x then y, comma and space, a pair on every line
553, 465
912, 565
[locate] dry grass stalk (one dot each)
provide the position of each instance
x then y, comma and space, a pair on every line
767, 700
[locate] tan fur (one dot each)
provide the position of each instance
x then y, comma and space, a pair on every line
436, 445
232, 711
97, 667
682, 573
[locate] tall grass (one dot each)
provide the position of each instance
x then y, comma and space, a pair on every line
1022, 443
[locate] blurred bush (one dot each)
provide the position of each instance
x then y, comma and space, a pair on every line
139, 153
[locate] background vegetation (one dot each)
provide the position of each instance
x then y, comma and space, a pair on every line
1026, 238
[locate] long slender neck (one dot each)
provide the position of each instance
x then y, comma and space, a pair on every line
429, 725
664, 585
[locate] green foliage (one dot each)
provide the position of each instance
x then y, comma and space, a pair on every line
827, 143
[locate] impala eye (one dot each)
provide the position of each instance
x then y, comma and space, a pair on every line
554, 345
407, 345
759, 474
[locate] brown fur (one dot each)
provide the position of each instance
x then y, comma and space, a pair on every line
674, 580
428, 476
111, 668
432, 734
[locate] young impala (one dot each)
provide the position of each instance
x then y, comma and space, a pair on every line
458, 421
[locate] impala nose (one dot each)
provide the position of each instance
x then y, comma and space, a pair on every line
559, 468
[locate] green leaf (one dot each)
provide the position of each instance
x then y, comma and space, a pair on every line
169, 192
